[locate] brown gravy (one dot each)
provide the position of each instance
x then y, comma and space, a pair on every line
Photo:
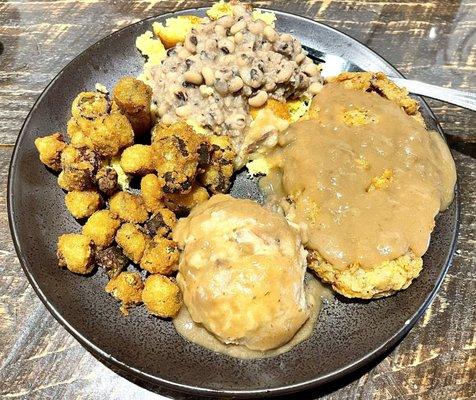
362, 193
196, 333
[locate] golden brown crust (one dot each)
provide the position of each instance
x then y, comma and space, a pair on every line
162, 296
82, 204
50, 148
76, 252
378, 82
128, 207
101, 228
132, 241
127, 288
133, 98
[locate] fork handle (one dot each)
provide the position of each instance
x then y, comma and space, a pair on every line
452, 96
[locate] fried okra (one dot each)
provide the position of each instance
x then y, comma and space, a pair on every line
76, 252
133, 97
90, 105
161, 223
182, 204
50, 148
101, 228
107, 180
161, 295
151, 187
127, 288
138, 160
80, 166
132, 241
129, 207
109, 134
217, 176
160, 256
112, 259
98, 124
180, 154
82, 204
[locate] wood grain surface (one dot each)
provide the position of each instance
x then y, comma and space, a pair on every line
434, 41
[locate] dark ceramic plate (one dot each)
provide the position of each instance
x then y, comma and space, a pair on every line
348, 335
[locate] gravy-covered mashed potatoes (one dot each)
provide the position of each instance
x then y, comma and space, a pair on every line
242, 272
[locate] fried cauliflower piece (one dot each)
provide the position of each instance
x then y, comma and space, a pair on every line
217, 175
133, 98
107, 180
160, 256
101, 228
129, 207
367, 283
112, 259
76, 252
82, 204
180, 153
138, 159
162, 296
161, 223
378, 82
127, 288
174, 30
151, 187
132, 241
50, 148
182, 204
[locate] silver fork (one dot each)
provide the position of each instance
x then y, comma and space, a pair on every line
334, 65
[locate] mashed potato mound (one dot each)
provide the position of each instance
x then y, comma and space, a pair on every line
242, 272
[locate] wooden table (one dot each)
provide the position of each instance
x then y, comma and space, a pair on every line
434, 41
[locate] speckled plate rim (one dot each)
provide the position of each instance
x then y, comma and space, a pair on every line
283, 390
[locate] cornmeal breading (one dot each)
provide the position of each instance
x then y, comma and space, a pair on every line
379, 281
378, 82
174, 30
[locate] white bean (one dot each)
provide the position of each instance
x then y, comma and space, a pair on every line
226, 45
182, 111
284, 74
240, 25
238, 37
208, 75
315, 88
226, 21
239, 10
270, 34
235, 84
300, 57
220, 30
256, 27
191, 43
193, 77
310, 69
259, 99
205, 90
